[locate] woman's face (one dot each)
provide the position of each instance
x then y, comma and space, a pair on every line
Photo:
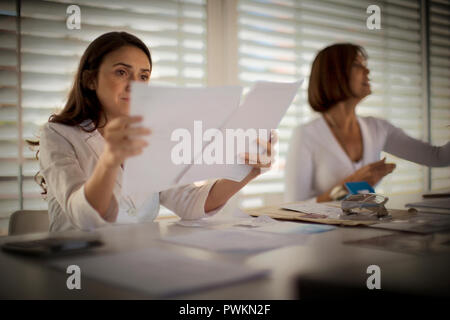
359, 78
115, 74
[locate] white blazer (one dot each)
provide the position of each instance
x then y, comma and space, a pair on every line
316, 161
67, 158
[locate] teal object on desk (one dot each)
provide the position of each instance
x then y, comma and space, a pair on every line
359, 187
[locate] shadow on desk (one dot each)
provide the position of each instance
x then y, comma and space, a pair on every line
412, 278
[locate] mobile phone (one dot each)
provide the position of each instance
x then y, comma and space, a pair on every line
50, 246
359, 187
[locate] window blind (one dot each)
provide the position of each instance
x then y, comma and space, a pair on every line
439, 31
278, 41
175, 32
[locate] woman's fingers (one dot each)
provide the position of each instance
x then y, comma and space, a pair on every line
124, 121
266, 145
256, 161
389, 167
273, 136
124, 135
138, 131
378, 164
130, 145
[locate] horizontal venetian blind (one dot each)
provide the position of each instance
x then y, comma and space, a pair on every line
439, 30
9, 148
278, 40
175, 32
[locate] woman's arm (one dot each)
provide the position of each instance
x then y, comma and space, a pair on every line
194, 202
99, 187
372, 173
401, 145
65, 179
224, 189
121, 142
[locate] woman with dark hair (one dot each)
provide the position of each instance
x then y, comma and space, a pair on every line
339, 146
83, 148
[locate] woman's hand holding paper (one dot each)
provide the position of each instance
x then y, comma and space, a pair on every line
123, 140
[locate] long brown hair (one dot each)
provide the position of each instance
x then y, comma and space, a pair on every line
82, 103
329, 82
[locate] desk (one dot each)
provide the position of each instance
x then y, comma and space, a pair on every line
324, 256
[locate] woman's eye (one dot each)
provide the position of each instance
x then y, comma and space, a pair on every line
144, 77
121, 72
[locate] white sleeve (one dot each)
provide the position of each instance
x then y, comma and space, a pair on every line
65, 181
299, 169
188, 201
401, 145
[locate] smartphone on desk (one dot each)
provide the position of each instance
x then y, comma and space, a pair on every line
50, 246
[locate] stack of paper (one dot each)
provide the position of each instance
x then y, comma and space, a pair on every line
438, 205
315, 209
166, 111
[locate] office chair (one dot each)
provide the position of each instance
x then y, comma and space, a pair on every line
28, 221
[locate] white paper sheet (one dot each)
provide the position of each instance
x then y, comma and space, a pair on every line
263, 108
315, 208
236, 241
159, 272
165, 109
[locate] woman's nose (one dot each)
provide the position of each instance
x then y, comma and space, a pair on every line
132, 77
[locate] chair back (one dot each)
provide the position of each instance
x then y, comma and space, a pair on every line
28, 221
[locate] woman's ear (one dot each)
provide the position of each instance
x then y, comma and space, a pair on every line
88, 80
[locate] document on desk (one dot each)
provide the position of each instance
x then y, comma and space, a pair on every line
420, 223
315, 209
159, 272
168, 112
236, 241
438, 205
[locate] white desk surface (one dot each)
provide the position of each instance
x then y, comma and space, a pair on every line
324, 254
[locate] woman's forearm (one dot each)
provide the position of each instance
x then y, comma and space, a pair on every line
99, 187
224, 189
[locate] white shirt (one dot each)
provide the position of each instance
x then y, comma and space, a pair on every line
67, 158
316, 161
